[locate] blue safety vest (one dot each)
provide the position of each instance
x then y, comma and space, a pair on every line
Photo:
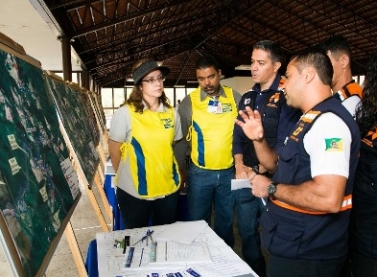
295, 233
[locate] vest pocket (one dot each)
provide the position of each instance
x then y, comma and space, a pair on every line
289, 160
282, 238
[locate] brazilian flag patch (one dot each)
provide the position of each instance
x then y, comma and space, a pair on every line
334, 144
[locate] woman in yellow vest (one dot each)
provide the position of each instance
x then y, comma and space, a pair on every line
141, 138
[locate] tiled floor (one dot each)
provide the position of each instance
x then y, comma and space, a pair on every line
85, 224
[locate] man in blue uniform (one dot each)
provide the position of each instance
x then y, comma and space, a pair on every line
307, 213
268, 98
343, 86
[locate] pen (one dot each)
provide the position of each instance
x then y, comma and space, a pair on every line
141, 258
148, 234
263, 201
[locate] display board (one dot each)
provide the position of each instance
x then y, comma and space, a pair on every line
97, 106
79, 123
39, 188
83, 103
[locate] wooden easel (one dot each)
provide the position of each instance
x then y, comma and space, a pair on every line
100, 177
69, 232
77, 257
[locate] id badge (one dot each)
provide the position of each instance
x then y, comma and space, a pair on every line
214, 106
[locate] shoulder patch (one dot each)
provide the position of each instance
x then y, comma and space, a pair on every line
275, 98
310, 116
334, 144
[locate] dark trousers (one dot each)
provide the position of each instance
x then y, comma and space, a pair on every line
137, 213
282, 267
363, 266
248, 209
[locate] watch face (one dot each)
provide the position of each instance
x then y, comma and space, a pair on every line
271, 189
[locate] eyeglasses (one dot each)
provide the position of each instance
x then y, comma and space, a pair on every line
151, 81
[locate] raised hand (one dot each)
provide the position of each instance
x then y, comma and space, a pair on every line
251, 124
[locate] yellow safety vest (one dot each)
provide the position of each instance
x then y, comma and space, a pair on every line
153, 167
211, 132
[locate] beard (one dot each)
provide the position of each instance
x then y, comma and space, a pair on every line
210, 90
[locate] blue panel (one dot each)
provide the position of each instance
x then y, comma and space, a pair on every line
141, 172
201, 160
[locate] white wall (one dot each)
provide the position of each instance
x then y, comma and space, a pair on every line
239, 84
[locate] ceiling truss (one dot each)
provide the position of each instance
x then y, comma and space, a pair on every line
111, 35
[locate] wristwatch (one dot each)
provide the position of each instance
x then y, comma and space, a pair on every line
272, 189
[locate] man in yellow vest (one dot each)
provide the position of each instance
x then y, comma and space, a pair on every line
207, 117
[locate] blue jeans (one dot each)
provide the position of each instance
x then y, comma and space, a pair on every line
207, 187
248, 210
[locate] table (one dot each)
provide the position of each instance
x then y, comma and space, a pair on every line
225, 262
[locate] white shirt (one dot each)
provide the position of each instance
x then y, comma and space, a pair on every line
352, 104
324, 160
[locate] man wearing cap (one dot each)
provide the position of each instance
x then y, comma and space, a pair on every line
141, 138
207, 116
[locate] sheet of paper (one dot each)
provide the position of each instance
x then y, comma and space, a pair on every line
71, 177
240, 184
182, 231
176, 252
225, 263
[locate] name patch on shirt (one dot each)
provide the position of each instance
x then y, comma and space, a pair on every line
334, 144
215, 106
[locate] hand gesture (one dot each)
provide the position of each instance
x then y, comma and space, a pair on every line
251, 124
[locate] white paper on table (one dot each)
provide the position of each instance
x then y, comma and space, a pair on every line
176, 252
224, 263
183, 231
240, 184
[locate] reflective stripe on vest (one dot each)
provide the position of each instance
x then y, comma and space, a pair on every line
346, 205
350, 89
